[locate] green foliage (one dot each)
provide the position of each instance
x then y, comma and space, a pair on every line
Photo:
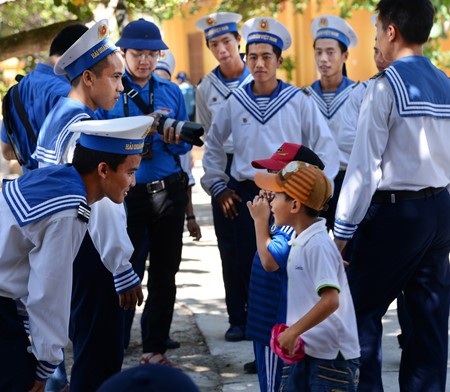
23, 15
433, 48
289, 67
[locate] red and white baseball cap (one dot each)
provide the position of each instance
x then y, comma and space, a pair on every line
289, 152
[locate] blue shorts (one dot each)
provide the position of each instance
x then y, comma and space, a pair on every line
321, 375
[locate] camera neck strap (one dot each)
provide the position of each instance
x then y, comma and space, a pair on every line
130, 93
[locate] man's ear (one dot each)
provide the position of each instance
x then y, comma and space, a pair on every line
102, 170
88, 77
280, 61
392, 32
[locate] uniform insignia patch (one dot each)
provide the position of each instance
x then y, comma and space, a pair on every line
84, 212
323, 22
264, 25
102, 31
211, 21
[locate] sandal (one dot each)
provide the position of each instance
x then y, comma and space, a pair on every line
155, 359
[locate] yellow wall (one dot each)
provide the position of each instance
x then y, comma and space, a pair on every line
360, 65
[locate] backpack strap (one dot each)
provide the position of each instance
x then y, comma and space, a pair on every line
22, 114
6, 110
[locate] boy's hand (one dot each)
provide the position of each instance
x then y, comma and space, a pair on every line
259, 208
288, 340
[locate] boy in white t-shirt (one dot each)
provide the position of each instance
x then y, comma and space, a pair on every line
320, 307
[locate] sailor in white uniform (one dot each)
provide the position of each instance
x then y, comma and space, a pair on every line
43, 220
94, 66
223, 40
260, 116
333, 37
395, 193
347, 117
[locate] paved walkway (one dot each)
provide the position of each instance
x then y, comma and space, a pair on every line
200, 298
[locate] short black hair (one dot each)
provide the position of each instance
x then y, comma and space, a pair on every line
276, 49
413, 18
341, 45
86, 160
311, 212
96, 69
235, 34
66, 38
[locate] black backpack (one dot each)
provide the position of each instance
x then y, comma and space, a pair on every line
14, 134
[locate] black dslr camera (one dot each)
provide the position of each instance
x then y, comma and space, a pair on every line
189, 132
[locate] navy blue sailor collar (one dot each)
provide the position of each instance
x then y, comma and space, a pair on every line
419, 88
282, 94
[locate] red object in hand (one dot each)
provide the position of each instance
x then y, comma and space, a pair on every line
299, 351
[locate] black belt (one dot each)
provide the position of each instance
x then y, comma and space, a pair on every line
396, 196
340, 176
160, 185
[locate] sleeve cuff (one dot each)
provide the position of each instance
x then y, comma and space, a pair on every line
343, 230
44, 370
126, 281
217, 188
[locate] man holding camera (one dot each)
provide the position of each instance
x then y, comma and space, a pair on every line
156, 205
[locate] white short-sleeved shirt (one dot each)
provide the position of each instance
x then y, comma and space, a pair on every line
314, 262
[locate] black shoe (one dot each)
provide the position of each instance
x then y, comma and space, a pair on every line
401, 341
170, 343
250, 367
235, 333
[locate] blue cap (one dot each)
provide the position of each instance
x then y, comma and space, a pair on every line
149, 378
141, 35
118, 136
182, 77
219, 23
334, 27
166, 62
89, 49
268, 31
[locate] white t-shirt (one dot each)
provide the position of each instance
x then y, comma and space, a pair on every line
314, 262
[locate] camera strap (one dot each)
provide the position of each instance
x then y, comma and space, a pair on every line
130, 92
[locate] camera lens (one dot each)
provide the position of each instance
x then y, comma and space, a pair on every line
189, 132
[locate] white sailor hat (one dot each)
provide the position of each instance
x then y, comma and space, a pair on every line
123, 135
266, 30
166, 61
330, 26
219, 23
88, 50
373, 19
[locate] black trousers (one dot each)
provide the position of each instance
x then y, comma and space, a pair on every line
17, 366
160, 217
96, 322
404, 247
